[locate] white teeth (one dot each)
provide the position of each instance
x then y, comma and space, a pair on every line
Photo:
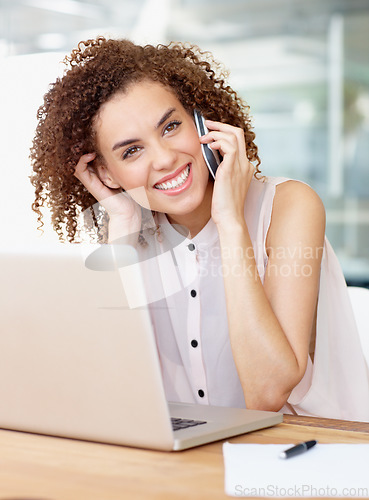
176, 182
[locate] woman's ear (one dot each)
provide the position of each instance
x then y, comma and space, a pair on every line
106, 177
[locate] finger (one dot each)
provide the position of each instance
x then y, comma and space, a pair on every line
218, 136
226, 149
227, 145
226, 128
232, 155
82, 164
89, 177
231, 134
223, 127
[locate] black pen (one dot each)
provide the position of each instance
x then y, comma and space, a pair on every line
299, 448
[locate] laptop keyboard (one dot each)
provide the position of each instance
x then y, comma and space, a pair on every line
183, 423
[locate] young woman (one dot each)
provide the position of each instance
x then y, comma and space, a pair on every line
258, 282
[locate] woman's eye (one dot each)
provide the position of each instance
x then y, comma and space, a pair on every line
130, 152
171, 126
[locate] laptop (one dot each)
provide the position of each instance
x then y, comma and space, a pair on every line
76, 361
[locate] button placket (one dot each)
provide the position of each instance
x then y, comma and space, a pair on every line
188, 266
194, 341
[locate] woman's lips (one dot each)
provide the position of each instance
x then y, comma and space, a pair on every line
181, 182
172, 176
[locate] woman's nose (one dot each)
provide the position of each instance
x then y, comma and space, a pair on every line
163, 157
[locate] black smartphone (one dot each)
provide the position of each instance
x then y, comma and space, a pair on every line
211, 156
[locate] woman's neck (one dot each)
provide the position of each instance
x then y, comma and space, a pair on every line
195, 221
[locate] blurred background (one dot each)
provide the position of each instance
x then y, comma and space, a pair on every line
301, 65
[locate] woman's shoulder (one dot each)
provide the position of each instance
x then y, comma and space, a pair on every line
294, 194
296, 205
286, 192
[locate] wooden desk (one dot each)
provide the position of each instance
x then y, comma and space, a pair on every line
45, 468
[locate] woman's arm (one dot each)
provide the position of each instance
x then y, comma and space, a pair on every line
269, 325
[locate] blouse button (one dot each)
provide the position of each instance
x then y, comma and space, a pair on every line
194, 343
193, 293
201, 393
191, 247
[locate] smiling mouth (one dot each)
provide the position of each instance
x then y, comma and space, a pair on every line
176, 182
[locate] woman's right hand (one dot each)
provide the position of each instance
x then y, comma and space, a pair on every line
124, 212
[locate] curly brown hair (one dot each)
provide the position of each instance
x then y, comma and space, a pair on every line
96, 70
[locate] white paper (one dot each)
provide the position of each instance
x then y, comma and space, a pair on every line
326, 470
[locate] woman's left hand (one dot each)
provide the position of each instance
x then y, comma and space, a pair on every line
233, 175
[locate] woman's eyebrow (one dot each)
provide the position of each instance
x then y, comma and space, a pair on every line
165, 117
121, 144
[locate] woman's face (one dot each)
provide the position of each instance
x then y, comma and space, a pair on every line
148, 140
